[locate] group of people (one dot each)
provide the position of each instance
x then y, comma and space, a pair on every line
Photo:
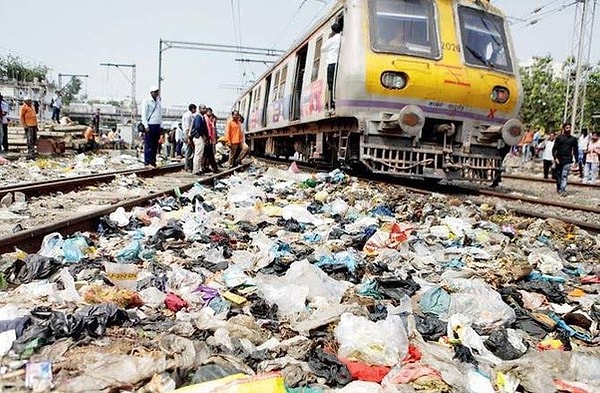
560, 152
195, 139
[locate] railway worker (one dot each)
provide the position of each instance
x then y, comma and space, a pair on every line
4, 109
564, 153
199, 134
593, 159
211, 140
152, 121
330, 51
582, 145
186, 123
30, 124
234, 137
547, 146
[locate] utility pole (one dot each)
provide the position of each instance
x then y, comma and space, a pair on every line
60, 76
581, 47
132, 81
163, 45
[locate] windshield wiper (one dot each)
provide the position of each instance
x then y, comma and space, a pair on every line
479, 57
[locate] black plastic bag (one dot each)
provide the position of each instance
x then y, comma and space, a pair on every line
464, 354
326, 365
291, 225
377, 312
499, 345
261, 310
550, 289
211, 372
106, 226
395, 288
172, 230
430, 327
18, 325
33, 267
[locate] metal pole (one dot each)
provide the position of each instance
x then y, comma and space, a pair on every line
579, 67
159, 62
133, 106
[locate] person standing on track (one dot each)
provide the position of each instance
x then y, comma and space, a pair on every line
186, 123
56, 107
547, 147
234, 137
592, 159
4, 109
30, 124
564, 153
152, 120
582, 145
199, 135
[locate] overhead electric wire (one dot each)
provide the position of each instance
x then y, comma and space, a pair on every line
536, 16
282, 34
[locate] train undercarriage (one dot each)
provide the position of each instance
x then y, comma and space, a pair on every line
343, 143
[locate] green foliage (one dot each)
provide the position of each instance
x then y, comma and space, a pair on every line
13, 67
70, 91
545, 93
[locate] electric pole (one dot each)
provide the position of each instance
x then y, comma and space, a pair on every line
132, 82
581, 48
60, 76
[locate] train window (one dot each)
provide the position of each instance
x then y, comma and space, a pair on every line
484, 39
275, 88
316, 60
257, 99
404, 26
282, 81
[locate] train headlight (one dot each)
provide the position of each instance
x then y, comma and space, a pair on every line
512, 132
394, 80
500, 94
411, 120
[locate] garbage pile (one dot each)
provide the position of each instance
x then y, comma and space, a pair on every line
48, 168
276, 281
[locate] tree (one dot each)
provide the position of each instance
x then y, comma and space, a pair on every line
70, 91
592, 98
14, 68
544, 91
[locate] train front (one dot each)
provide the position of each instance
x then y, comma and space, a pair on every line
437, 93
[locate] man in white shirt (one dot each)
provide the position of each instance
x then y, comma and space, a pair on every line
186, 124
4, 109
582, 145
330, 51
178, 140
152, 121
547, 157
56, 107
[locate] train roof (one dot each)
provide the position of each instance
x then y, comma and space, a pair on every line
333, 10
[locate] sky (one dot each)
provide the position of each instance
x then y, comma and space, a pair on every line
74, 37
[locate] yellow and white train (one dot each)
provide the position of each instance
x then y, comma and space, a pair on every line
422, 89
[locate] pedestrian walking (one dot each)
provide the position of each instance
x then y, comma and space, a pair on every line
96, 120
4, 109
56, 106
592, 159
564, 153
30, 124
547, 157
152, 120
186, 122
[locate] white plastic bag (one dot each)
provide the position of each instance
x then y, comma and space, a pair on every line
381, 343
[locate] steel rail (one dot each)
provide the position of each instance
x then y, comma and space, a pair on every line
31, 239
541, 180
76, 182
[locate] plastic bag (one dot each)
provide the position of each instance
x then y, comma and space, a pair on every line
545, 260
74, 249
133, 251
240, 383
435, 301
381, 343
52, 246
120, 217
390, 235
300, 214
122, 275
326, 365
33, 267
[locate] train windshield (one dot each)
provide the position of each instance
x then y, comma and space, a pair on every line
484, 39
404, 26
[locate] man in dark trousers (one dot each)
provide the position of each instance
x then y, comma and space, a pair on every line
152, 120
564, 153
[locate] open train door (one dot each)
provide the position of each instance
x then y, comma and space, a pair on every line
298, 81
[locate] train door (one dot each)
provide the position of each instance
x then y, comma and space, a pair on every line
248, 111
298, 81
266, 101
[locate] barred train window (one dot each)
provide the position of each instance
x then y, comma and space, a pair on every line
316, 60
404, 26
484, 39
282, 79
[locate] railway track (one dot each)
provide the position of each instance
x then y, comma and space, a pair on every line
31, 239
542, 180
537, 206
77, 182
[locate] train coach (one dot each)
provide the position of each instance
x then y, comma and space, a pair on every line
424, 89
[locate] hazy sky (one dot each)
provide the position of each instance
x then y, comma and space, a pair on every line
75, 36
